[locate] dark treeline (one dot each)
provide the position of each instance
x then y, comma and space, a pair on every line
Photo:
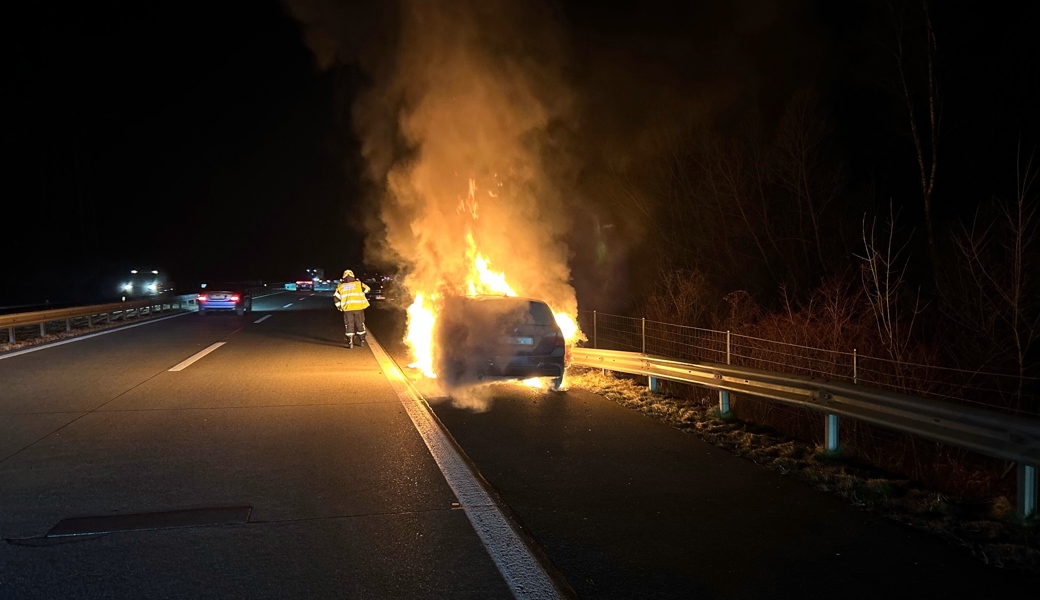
888, 204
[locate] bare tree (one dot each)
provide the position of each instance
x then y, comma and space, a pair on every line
924, 122
808, 173
999, 299
884, 281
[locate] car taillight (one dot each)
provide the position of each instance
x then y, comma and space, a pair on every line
201, 298
234, 297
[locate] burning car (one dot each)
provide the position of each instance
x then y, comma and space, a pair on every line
489, 338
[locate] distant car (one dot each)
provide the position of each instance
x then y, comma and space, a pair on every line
375, 289
305, 284
225, 296
143, 283
481, 338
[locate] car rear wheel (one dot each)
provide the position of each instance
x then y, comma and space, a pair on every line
555, 384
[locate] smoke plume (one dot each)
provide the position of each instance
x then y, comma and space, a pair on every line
458, 131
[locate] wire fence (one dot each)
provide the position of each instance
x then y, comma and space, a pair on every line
1004, 392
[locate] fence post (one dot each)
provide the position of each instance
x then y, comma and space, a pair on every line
727, 348
594, 345
1026, 505
855, 366
644, 335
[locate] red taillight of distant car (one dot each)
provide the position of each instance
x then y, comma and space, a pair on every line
201, 298
233, 298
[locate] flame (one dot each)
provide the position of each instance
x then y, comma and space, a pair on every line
480, 278
419, 336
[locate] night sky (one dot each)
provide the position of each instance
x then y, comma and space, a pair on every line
205, 139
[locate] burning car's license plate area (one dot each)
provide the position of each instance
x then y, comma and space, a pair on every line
518, 340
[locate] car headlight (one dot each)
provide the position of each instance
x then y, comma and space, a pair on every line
128, 287
153, 287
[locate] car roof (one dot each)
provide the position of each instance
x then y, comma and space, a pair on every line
491, 304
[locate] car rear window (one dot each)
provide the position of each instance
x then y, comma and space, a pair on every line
516, 310
222, 286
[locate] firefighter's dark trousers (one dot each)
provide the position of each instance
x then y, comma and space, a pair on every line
354, 325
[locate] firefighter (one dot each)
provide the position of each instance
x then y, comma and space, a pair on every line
351, 300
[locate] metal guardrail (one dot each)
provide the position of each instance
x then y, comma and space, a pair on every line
999, 435
100, 312
105, 312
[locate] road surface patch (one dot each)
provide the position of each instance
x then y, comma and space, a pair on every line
196, 517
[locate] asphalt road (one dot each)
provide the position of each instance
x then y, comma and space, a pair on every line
294, 470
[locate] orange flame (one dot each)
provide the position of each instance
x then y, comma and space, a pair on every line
480, 278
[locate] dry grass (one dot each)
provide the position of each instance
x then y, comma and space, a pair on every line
986, 527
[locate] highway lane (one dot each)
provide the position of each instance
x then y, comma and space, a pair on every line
346, 501
629, 507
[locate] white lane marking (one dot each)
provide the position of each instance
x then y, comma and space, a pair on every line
523, 574
287, 305
262, 319
80, 338
186, 363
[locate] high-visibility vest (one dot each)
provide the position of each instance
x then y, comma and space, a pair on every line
351, 296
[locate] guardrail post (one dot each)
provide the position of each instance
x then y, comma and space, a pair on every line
1026, 505
68, 324
10, 334
90, 320
652, 384
43, 330
644, 335
724, 402
830, 431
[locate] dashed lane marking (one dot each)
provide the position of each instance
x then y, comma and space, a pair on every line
187, 363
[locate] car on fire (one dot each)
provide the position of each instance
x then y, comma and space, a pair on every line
225, 296
494, 338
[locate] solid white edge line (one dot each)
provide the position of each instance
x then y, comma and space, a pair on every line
186, 363
262, 319
80, 338
522, 572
